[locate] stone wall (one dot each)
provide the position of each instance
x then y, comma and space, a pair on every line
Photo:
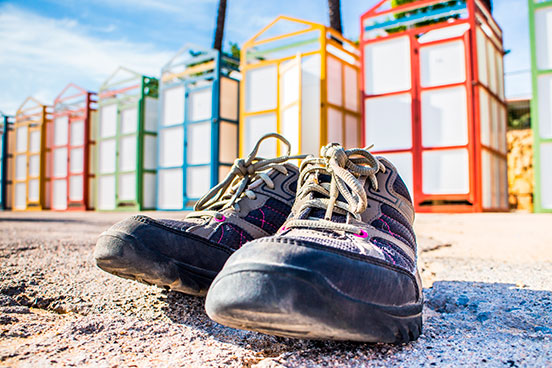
520, 169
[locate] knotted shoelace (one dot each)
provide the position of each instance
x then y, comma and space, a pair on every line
345, 167
237, 183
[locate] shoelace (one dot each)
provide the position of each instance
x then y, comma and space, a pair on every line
244, 172
344, 167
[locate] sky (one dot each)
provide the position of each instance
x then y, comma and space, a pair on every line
46, 44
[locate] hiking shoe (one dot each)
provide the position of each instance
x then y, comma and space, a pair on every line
343, 265
253, 201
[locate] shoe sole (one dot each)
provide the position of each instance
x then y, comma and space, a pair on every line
291, 301
128, 258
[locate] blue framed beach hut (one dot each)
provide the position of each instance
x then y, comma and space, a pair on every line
198, 125
6, 131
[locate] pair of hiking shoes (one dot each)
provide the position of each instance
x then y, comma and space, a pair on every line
326, 251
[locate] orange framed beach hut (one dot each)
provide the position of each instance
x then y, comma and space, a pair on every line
29, 179
433, 101
300, 79
70, 146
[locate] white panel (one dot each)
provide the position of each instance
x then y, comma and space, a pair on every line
20, 196
494, 122
310, 104
351, 88
387, 66
148, 200
107, 156
335, 126
487, 179
171, 146
150, 115
229, 92
170, 193
502, 128
543, 37
127, 153
228, 150
77, 133
35, 141
199, 143
442, 63
173, 106
34, 190
150, 152
106, 192
257, 126
544, 85
34, 166
61, 130
334, 84
444, 33
200, 104
76, 161
491, 62
290, 127
352, 135
485, 118
223, 172
108, 121
546, 175
59, 188
403, 163
60, 163
444, 117
388, 122
500, 72
21, 139
261, 88
91, 193
289, 82
76, 188
446, 172
20, 167
198, 181
482, 57
503, 200
129, 120
127, 187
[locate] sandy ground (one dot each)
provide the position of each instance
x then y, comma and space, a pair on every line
488, 302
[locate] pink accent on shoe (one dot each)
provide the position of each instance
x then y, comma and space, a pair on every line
363, 234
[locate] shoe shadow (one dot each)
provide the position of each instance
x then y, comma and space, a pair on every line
457, 315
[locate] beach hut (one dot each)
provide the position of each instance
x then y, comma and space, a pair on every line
540, 25
70, 146
126, 142
433, 101
300, 79
29, 179
6, 137
198, 125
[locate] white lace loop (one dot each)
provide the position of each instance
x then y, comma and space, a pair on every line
345, 167
243, 173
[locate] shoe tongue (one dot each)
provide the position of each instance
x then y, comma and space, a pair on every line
318, 213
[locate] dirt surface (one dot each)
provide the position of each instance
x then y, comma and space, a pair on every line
488, 302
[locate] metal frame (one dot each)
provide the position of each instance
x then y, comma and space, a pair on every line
328, 40
476, 16
77, 104
534, 6
196, 68
33, 115
126, 93
6, 131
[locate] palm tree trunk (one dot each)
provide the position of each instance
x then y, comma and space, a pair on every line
335, 15
219, 32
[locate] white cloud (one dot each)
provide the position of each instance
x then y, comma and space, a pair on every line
39, 56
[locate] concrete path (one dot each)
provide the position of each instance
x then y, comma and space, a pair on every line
487, 279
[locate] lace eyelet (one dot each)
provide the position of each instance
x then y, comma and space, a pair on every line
219, 219
363, 234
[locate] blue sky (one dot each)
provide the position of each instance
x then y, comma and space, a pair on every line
45, 44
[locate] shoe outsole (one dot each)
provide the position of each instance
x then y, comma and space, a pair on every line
290, 301
132, 260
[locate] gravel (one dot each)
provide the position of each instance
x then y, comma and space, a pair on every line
488, 302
